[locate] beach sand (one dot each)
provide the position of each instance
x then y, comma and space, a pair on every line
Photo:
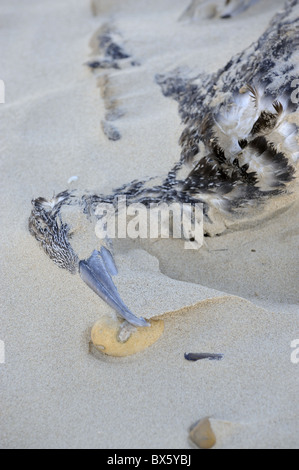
237, 296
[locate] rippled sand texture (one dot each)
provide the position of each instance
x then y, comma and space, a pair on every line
237, 296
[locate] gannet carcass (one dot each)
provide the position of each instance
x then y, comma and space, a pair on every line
239, 151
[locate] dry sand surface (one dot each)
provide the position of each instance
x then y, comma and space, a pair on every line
236, 296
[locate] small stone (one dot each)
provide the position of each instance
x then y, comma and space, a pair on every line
110, 131
202, 434
107, 336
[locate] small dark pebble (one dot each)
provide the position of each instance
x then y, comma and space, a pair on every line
94, 65
103, 64
110, 131
199, 356
116, 52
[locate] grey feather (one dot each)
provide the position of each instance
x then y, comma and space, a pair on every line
94, 273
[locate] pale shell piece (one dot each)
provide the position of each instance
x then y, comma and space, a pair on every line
72, 179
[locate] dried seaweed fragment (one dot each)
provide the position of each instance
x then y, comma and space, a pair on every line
200, 356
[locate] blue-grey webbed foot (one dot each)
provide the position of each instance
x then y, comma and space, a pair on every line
96, 272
